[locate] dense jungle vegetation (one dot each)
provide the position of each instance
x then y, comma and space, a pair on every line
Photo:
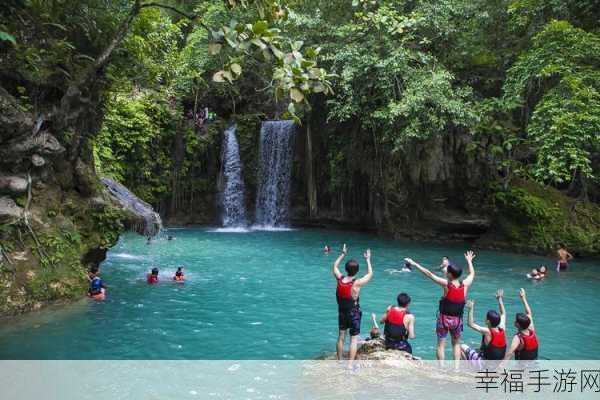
463, 119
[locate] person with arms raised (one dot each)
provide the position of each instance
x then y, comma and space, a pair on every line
347, 294
493, 336
451, 305
525, 344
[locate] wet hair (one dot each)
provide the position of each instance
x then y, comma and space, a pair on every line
375, 333
179, 268
403, 300
154, 271
522, 321
352, 267
445, 257
94, 269
454, 270
493, 317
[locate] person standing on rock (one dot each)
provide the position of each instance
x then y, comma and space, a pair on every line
452, 304
347, 294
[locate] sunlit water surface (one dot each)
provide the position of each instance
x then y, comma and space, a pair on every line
270, 295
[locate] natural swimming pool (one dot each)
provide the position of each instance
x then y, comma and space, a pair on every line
270, 295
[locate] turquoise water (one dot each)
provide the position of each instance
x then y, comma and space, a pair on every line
270, 295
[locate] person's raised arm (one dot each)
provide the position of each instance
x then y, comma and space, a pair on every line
440, 281
569, 256
374, 318
528, 312
336, 265
365, 279
514, 346
500, 299
469, 256
471, 320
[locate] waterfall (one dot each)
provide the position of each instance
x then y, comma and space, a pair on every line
233, 209
150, 223
275, 169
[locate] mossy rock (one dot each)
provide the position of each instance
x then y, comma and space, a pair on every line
532, 217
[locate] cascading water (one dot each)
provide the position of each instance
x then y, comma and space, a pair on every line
275, 169
232, 196
152, 223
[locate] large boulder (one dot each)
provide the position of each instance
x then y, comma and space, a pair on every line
13, 184
9, 210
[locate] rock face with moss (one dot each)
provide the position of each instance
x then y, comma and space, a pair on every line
533, 218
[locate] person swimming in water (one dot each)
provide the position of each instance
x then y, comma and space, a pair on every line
97, 289
493, 335
538, 273
444, 265
327, 249
347, 295
451, 305
399, 325
563, 258
153, 276
178, 277
525, 344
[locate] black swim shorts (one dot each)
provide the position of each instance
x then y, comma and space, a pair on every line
350, 320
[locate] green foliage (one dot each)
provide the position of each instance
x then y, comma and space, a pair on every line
107, 224
560, 76
391, 81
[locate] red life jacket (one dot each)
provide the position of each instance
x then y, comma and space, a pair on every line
344, 295
530, 346
152, 278
453, 302
394, 325
496, 348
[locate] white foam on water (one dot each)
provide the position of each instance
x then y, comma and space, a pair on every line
270, 228
237, 229
126, 256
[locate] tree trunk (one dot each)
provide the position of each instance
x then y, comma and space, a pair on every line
311, 187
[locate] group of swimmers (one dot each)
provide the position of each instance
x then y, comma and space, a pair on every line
400, 323
152, 277
97, 289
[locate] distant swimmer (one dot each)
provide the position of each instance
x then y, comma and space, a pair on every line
399, 325
153, 276
525, 344
563, 258
493, 335
178, 277
149, 240
97, 290
538, 273
406, 268
327, 249
347, 294
170, 237
444, 265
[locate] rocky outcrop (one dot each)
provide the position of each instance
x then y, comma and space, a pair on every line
9, 210
13, 184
